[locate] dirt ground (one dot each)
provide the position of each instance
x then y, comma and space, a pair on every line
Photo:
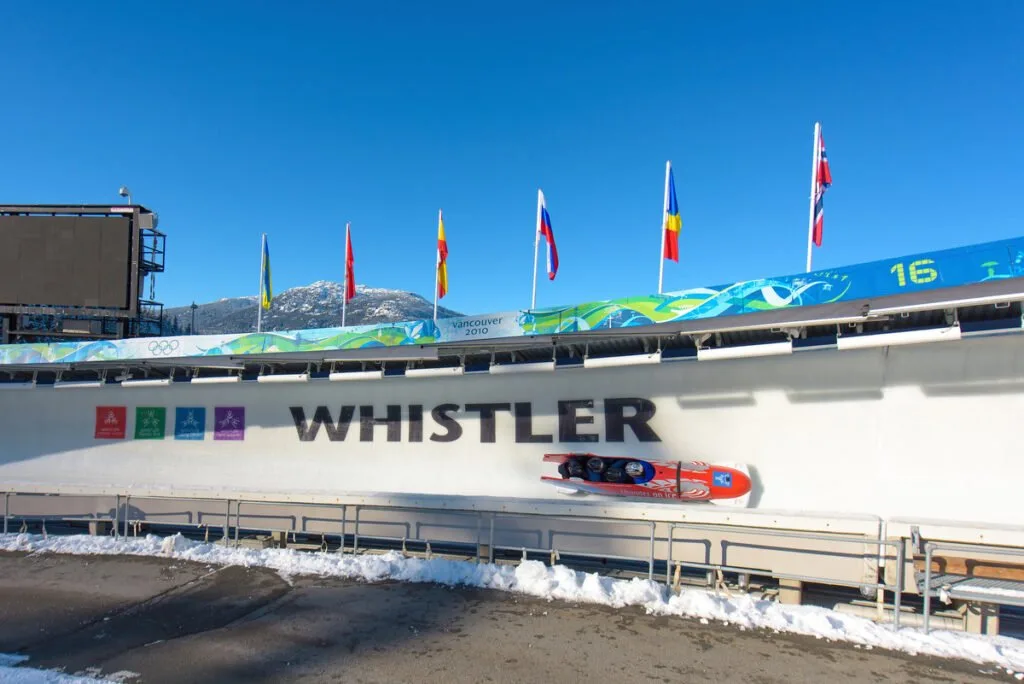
171, 621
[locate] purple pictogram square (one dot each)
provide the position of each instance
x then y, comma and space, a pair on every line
229, 423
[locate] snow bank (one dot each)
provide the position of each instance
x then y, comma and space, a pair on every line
11, 674
533, 578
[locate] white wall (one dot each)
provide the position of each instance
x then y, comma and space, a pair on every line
924, 431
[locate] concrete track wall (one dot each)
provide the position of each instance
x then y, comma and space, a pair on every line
921, 431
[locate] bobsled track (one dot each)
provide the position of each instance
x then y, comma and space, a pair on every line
880, 435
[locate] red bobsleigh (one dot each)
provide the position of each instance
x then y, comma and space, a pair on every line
634, 477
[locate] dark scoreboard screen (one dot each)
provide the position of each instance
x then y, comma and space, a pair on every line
82, 261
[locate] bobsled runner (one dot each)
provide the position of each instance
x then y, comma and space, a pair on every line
624, 476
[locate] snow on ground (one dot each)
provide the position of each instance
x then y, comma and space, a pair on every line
10, 673
559, 582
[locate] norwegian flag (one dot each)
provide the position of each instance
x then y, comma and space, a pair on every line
822, 182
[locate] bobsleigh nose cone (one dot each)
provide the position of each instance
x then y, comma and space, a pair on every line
741, 483
729, 482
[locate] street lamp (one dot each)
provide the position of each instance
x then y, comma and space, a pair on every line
194, 307
125, 192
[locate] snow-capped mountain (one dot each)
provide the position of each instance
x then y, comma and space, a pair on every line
311, 306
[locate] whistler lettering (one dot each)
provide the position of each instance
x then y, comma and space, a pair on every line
577, 421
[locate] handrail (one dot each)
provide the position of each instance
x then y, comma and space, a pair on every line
650, 558
931, 547
881, 544
896, 588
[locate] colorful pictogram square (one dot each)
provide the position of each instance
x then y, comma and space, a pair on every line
110, 422
190, 422
229, 423
721, 478
150, 422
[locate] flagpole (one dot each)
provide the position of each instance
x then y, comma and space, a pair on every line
664, 220
344, 282
814, 189
259, 297
437, 265
536, 245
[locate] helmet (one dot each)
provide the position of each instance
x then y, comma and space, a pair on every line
595, 464
574, 468
634, 469
614, 474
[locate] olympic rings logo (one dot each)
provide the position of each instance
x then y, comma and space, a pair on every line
163, 347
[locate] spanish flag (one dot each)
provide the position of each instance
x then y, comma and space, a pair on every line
442, 257
266, 294
673, 221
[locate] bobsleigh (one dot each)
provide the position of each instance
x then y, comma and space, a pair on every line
586, 473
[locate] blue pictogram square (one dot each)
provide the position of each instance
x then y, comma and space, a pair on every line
189, 422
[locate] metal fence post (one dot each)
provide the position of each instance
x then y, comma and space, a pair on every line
238, 518
650, 561
117, 516
344, 526
897, 599
127, 506
355, 537
227, 523
668, 560
7, 509
490, 541
927, 586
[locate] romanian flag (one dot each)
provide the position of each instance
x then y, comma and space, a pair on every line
673, 221
266, 294
442, 258
822, 182
350, 262
544, 229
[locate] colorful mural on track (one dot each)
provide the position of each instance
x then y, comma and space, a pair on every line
916, 273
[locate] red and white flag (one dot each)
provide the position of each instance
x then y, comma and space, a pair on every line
547, 232
822, 182
350, 262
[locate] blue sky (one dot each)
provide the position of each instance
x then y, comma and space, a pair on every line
231, 119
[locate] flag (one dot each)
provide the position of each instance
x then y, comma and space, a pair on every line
673, 221
442, 258
544, 229
822, 182
350, 261
266, 294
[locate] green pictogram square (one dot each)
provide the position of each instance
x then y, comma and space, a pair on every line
150, 422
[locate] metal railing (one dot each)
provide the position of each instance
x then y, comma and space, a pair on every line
44, 518
343, 519
354, 521
233, 514
931, 547
403, 509
896, 588
581, 554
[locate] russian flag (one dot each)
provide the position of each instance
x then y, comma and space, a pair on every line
544, 229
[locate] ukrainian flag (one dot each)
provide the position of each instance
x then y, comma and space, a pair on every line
266, 293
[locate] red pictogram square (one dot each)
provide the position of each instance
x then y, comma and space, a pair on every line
111, 422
